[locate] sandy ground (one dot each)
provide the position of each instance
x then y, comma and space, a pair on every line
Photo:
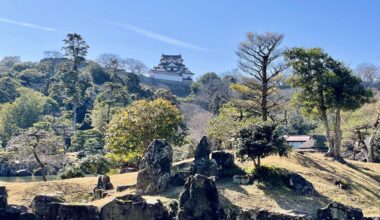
363, 178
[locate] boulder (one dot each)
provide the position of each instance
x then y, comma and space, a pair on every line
154, 174
23, 172
298, 184
133, 207
241, 179
104, 183
203, 149
122, 188
3, 198
40, 203
29, 216
199, 200
205, 167
39, 172
179, 179
63, 211
223, 159
337, 211
267, 215
99, 194
3, 191
172, 209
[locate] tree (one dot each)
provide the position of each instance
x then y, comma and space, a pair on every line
53, 54
260, 140
325, 84
10, 61
132, 130
8, 90
111, 61
76, 49
260, 57
135, 66
368, 72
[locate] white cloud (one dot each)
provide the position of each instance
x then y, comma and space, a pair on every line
157, 36
29, 25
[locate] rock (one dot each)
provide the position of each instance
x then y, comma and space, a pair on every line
29, 216
3, 198
179, 179
39, 172
23, 172
125, 169
241, 179
267, 215
122, 188
99, 194
18, 208
299, 184
337, 211
203, 149
133, 207
154, 174
223, 159
172, 209
40, 203
104, 182
199, 200
3, 191
205, 167
63, 211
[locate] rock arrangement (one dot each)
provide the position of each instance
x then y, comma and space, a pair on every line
202, 163
299, 184
104, 184
338, 211
200, 200
154, 175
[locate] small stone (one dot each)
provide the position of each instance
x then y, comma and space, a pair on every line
241, 179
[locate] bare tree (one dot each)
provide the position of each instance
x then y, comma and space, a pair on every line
110, 61
135, 66
260, 57
368, 72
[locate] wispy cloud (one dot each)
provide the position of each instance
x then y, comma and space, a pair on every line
157, 36
28, 25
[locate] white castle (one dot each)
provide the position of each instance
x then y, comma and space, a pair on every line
171, 68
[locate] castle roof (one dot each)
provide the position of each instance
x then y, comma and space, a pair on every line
171, 65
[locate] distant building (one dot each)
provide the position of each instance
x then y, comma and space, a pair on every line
301, 142
171, 68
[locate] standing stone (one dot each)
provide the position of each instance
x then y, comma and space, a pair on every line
154, 174
337, 211
3, 198
200, 200
40, 203
104, 182
203, 149
223, 159
202, 163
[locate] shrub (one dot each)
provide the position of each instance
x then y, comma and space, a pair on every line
96, 164
71, 172
90, 141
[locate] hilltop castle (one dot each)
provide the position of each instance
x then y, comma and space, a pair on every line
171, 68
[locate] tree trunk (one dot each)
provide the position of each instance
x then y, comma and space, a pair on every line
40, 163
258, 162
330, 144
108, 113
74, 118
338, 137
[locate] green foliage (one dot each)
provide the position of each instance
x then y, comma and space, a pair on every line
258, 141
165, 94
76, 49
99, 76
95, 164
91, 141
35, 79
132, 130
8, 90
23, 112
71, 172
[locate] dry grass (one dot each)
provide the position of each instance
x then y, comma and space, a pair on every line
363, 178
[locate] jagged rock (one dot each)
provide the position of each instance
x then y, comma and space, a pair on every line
205, 167
179, 179
267, 215
133, 207
154, 174
99, 194
122, 188
223, 159
40, 203
203, 149
299, 184
63, 211
199, 200
241, 179
23, 172
337, 211
104, 182
172, 209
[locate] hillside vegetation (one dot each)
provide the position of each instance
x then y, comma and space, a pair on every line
362, 180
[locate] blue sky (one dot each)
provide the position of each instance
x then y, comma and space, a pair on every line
206, 32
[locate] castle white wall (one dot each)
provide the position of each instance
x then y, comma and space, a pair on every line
166, 77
